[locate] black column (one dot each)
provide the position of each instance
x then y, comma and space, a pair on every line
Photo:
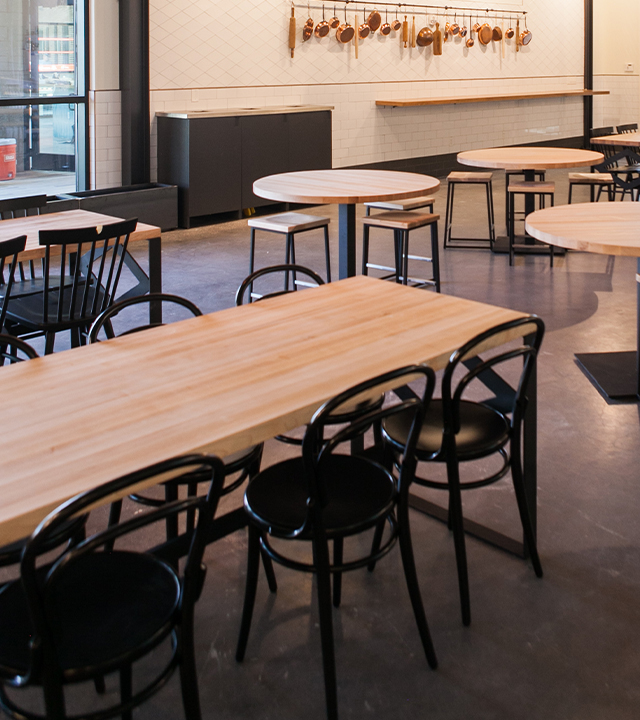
134, 90
588, 71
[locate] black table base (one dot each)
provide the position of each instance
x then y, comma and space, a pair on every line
614, 374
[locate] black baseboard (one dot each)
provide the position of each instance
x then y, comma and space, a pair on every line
442, 165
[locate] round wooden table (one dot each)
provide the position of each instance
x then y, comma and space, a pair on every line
345, 188
528, 160
607, 229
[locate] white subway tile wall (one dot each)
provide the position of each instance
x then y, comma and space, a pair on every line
105, 148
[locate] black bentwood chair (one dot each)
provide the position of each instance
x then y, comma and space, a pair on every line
90, 261
324, 496
13, 350
91, 612
239, 466
455, 431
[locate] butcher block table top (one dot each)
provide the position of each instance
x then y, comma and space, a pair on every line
530, 158
624, 139
605, 228
344, 186
215, 383
68, 220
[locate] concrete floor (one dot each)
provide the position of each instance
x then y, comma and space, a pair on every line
560, 648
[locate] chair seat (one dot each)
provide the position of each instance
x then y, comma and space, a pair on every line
277, 496
580, 178
534, 186
482, 431
288, 222
470, 177
108, 604
31, 286
28, 310
408, 204
399, 220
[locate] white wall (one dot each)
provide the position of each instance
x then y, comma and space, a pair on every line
616, 43
208, 55
104, 95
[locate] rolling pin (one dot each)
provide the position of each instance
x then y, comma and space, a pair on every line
413, 32
292, 30
405, 31
355, 35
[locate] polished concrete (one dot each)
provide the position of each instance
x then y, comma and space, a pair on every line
564, 647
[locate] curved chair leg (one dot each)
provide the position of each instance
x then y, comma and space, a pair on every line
323, 578
338, 549
455, 510
253, 565
268, 571
114, 518
410, 575
523, 508
188, 672
171, 494
126, 690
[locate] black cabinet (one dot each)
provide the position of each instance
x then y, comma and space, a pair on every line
214, 161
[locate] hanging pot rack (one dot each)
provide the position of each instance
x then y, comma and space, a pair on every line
400, 5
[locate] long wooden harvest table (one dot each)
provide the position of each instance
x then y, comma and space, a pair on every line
70, 219
216, 383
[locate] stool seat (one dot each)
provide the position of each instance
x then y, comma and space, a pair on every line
398, 220
408, 204
288, 222
584, 178
470, 177
532, 186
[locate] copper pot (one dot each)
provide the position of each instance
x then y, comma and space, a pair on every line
476, 27
497, 32
425, 37
463, 30
485, 34
396, 24
345, 32
374, 20
363, 31
322, 28
525, 35
510, 31
307, 30
385, 28
454, 28
334, 22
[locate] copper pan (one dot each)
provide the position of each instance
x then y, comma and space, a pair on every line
385, 28
496, 34
322, 28
334, 22
425, 35
510, 31
396, 24
374, 20
345, 31
485, 34
363, 29
525, 35
454, 28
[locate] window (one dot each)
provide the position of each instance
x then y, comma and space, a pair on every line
42, 97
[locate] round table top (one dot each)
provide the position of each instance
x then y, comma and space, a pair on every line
624, 139
344, 186
608, 228
529, 158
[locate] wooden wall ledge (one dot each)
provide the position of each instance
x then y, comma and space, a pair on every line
487, 98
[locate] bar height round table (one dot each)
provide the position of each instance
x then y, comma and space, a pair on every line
345, 188
607, 229
528, 160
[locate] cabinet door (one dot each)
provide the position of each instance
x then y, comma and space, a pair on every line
265, 151
310, 141
214, 165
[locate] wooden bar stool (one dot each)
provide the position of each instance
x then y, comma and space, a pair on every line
468, 178
290, 224
541, 189
402, 222
602, 181
510, 175
409, 204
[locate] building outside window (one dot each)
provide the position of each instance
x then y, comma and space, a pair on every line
42, 97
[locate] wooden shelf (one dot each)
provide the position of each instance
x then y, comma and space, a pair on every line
487, 98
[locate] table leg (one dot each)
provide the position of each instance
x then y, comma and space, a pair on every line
155, 277
617, 374
347, 241
530, 452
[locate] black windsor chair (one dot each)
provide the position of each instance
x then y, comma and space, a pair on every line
325, 496
91, 613
239, 466
624, 168
456, 431
91, 261
9, 251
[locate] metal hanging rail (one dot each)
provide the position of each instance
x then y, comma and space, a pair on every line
400, 5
